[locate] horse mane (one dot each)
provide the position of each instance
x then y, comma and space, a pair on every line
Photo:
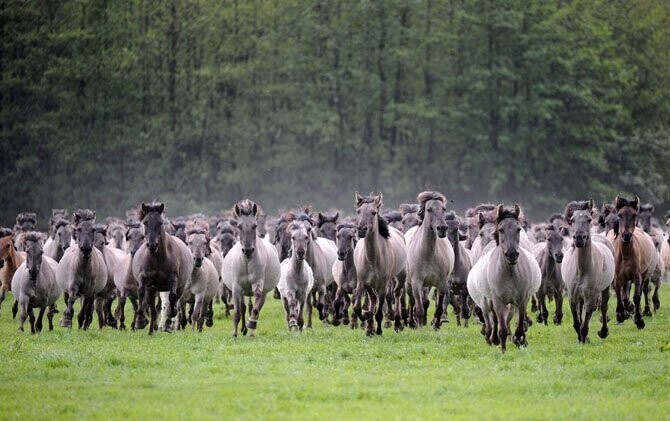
576, 205
196, 229
506, 213
345, 225
304, 217
667, 215
424, 197
26, 217
131, 225
323, 218
101, 228
621, 202
383, 226
33, 236
246, 208
148, 208
61, 222
361, 200
549, 227
393, 216
196, 225
484, 207
406, 208
451, 216
81, 215
5, 232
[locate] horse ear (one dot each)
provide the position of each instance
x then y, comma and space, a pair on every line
482, 220
321, 218
161, 209
336, 217
517, 210
590, 205
378, 200
254, 209
359, 198
236, 209
636, 203
145, 208
499, 212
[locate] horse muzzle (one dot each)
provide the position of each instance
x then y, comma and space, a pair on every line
512, 257
197, 261
2, 263
300, 254
362, 232
558, 258
441, 232
86, 251
33, 274
248, 252
341, 255
153, 248
626, 237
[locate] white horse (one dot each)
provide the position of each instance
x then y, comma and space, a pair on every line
251, 267
297, 279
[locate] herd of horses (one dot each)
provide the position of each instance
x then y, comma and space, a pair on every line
355, 270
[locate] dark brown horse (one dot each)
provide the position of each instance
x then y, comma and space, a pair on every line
635, 258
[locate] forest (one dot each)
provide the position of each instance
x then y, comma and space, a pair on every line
105, 104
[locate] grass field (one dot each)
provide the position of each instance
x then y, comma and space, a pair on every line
335, 373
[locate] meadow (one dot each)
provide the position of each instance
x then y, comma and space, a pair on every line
335, 373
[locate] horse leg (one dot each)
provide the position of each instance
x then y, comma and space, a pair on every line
654, 298
587, 311
389, 296
209, 317
320, 292
347, 304
40, 317
358, 302
417, 291
639, 322
439, 309
120, 311
31, 316
426, 305
255, 311
66, 320
379, 316
502, 312
15, 308
412, 322
99, 309
309, 309
140, 316
398, 294
3, 293
50, 318
620, 316
238, 302
576, 320
604, 299
533, 304
558, 299
465, 309
646, 289
109, 317
23, 315
81, 317
153, 312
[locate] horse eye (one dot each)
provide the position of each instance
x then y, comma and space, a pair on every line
429, 210
518, 230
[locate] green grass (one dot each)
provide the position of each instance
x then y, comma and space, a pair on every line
336, 373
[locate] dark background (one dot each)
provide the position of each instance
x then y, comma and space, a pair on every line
105, 104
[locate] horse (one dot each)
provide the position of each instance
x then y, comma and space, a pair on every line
458, 290
321, 254
203, 283
644, 219
379, 258
116, 234
10, 260
409, 218
635, 258
506, 276
34, 283
55, 246
430, 257
251, 268
225, 239
588, 270
394, 219
25, 222
162, 263
297, 279
56, 215
474, 222
126, 284
549, 255
113, 258
82, 272
327, 225
344, 274
485, 233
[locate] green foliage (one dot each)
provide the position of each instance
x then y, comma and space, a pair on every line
335, 372
106, 104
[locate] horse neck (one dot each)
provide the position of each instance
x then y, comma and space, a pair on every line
550, 264
584, 255
372, 240
349, 261
457, 252
297, 263
428, 239
14, 260
162, 243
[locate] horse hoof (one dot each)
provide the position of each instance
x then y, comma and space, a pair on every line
620, 318
640, 323
252, 324
337, 322
647, 312
65, 322
539, 319
369, 333
603, 333
345, 321
387, 324
209, 322
558, 320
294, 328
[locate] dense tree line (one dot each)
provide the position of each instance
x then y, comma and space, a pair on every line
201, 103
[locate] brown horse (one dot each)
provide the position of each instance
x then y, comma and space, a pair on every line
10, 260
634, 255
